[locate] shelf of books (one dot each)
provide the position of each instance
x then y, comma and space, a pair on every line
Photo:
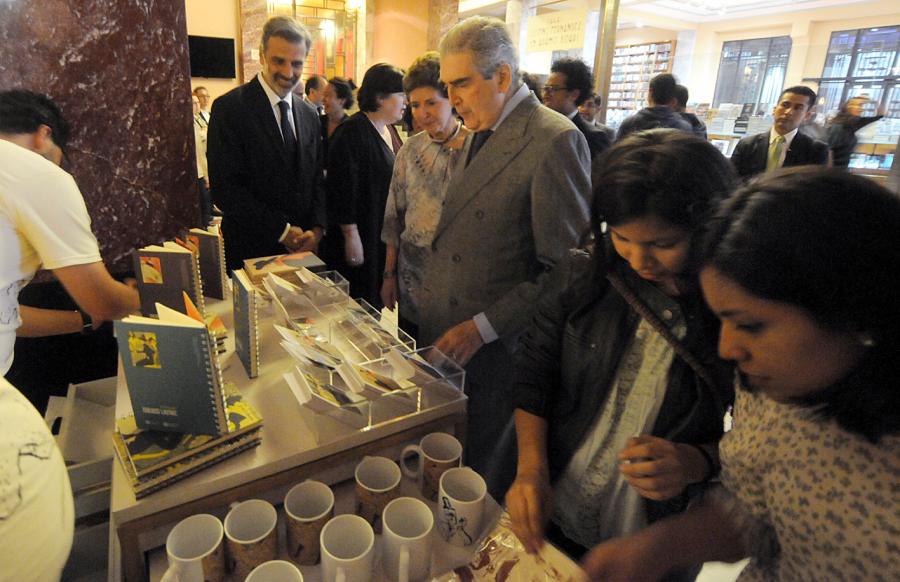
633, 67
340, 364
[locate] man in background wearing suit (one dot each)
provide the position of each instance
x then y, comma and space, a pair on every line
568, 86
265, 154
783, 145
314, 92
517, 200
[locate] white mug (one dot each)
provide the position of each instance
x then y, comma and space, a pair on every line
436, 452
275, 571
195, 551
251, 537
461, 505
408, 526
377, 484
348, 549
308, 506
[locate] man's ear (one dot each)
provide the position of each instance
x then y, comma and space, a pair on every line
504, 77
42, 139
262, 55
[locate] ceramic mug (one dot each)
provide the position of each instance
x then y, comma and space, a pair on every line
251, 536
408, 527
348, 549
308, 506
275, 571
461, 505
195, 551
377, 484
436, 453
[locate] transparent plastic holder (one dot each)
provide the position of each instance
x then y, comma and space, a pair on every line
375, 314
324, 289
361, 338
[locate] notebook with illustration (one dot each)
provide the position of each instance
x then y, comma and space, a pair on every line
151, 450
173, 374
245, 299
163, 273
212, 261
259, 267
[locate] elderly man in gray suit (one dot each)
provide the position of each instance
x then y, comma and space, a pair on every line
517, 201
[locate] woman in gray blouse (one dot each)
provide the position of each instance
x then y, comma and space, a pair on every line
421, 173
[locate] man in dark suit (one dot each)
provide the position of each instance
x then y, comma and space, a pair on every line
681, 101
659, 112
567, 87
783, 145
517, 200
265, 155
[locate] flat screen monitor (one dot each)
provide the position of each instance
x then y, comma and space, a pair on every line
211, 57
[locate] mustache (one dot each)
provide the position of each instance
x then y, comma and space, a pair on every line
293, 79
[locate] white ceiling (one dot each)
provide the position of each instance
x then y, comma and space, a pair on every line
711, 10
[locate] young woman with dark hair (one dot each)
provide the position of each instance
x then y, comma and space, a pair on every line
801, 268
360, 162
620, 397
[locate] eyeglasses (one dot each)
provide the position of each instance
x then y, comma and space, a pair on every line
553, 88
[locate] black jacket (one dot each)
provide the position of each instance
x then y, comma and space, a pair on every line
842, 137
569, 357
252, 179
598, 141
750, 154
697, 126
660, 116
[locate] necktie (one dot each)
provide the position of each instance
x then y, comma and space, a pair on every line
775, 153
287, 130
477, 141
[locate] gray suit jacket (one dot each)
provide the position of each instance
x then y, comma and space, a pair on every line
508, 218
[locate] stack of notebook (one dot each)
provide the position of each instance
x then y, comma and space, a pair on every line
155, 459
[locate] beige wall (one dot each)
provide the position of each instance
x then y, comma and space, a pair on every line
219, 18
644, 35
400, 31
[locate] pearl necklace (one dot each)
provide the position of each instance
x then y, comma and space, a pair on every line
450, 138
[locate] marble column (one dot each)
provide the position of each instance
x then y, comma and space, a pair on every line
442, 15
254, 14
119, 70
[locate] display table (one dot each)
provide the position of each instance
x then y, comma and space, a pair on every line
296, 444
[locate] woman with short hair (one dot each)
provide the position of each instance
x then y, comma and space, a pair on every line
421, 173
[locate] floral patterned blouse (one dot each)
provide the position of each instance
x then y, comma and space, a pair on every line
416, 197
814, 502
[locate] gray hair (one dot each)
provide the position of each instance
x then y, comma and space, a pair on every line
489, 42
286, 28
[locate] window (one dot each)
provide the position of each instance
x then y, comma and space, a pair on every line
752, 71
862, 62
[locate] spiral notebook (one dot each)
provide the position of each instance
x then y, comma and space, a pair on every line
172, 372
163, 273
246, 327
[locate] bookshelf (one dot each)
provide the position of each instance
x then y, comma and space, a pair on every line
633, 67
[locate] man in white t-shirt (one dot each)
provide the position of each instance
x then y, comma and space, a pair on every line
37, 516
44, 222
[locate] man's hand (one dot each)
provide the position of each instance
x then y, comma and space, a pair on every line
530, 502
309, 240
293, 239
659, 469
460, 342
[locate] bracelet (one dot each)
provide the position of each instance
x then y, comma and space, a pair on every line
711, 469
387, 275
87, 324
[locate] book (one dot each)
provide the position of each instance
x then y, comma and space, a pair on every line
211, 256
246, 322
156, 480
259, 267
172, 372
151, 450
165, 272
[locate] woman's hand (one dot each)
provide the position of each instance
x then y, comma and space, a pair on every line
353, 248
529, 502
659, 469
624, 560
389, 291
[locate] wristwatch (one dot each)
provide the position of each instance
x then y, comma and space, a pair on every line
87, 324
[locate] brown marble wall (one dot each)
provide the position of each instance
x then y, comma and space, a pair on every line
119, 70
442, 15
254, 14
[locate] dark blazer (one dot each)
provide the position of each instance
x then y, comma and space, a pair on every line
360, 165
597, 139
750, 154
253, 181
